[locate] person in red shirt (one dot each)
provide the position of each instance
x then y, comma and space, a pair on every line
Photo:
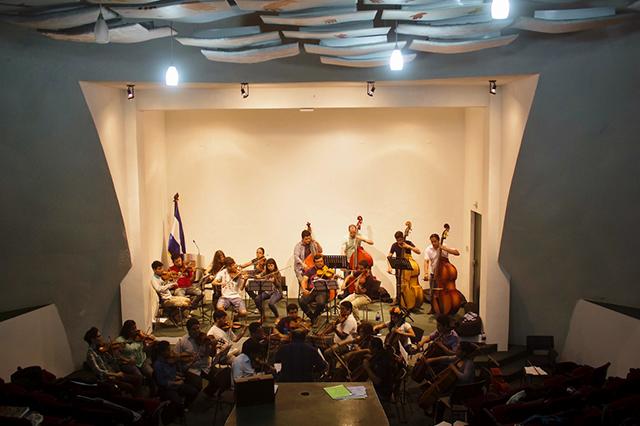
185, 277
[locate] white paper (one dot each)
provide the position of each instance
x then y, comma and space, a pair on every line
535, 371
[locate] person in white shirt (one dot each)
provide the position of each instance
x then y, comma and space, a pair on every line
346, 329
232, 282
163, 288
226, 338
432, 256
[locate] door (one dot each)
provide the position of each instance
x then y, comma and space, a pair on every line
476, 244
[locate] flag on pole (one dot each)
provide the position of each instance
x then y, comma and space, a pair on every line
177, 243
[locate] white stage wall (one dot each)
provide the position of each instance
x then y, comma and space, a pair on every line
254, 178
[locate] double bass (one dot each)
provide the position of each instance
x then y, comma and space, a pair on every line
446, 299
412, 294
360, 253
308, 261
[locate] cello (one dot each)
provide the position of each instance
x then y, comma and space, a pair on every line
360, 253
411, 289
446, 299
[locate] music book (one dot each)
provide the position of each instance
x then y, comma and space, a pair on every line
535, 371
337, 392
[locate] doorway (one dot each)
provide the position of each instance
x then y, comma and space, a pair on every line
476, 245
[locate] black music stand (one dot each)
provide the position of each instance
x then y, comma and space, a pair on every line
336, 261
259, 285
324, 286
399, 264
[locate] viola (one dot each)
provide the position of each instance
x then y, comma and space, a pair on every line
446, 299
360, 253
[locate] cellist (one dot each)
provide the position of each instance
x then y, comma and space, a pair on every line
431, 256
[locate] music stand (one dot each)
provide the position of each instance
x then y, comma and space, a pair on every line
336, 261
324, 286
259, 285
399, 264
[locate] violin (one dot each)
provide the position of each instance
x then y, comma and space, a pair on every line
110, 347
325, 273
359, 280
143, 337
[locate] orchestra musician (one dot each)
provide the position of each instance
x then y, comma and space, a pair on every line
103, 364
258, 264
431, 256
210, 272
185, 279
171, 385
399, 330
345, 329
365, 287
305, 248
351, 242
291, 322
232, 282
133, 351
272, 274
381, 368
198, 352
445, 337
222, 332
400, 248
299, 359
309, 294
163, 288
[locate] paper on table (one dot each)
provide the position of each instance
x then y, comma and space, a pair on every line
534, 371
337, 392
357, 392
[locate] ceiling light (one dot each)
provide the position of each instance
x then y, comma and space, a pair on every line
493, 87
171, 77
244, 90
131, 91
500, 9
101, 29
371, 88
396, 62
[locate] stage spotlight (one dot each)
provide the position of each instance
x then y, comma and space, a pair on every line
131, 91
493, 88
371, 88
244, 90
500, 9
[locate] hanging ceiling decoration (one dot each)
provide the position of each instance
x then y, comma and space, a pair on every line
350, 33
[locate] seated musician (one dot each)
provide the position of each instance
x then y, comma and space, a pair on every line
195, 350
289, 323
172, 385
133, 351
309, 294
301, 251
299, 359
232, 282
382, 368
258, 264
163, 288
470, 328
186, 276
212, 269
345, 329
444, 337
400, 248
103, 364
399, 330
360, 348
365, 284
272, 274
222, 332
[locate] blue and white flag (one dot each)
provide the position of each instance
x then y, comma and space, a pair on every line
177, 244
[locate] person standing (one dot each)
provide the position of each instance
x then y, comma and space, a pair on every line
432, 255
305, 248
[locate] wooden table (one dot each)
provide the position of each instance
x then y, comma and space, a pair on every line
306, 404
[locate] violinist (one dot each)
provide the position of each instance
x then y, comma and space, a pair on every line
185, 278
210, 272
272, 274
258, 264
431, 256
345, 329
400, 248
305, 248
291, 322
309, 294
365, 287
399, 330
350, 243
133, 353
105, 367
222, 333
299, 359
259, 341
199, 351
163, 288
172, 385
232, 282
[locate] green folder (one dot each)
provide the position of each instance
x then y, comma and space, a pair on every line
337, 392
